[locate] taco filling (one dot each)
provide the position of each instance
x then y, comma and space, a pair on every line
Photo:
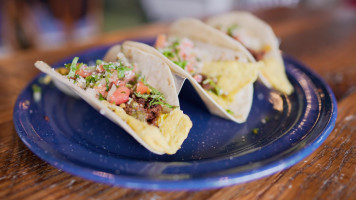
261, 42
217, 70
133, 89
183, 53
119, 83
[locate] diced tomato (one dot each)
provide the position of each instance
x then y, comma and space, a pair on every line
83, 72
121, 95
160, 41
142, 88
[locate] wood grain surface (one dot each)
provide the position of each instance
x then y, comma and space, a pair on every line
324, 40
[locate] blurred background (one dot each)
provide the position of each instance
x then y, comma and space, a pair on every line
43, 24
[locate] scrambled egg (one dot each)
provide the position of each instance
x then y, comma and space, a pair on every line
231, 77
167, 138
276, 76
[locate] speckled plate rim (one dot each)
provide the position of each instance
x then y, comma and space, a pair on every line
194, 183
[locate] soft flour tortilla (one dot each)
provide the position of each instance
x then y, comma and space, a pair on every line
273, 74
174, 125
220, 46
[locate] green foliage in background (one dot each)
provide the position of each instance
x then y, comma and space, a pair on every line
120, 14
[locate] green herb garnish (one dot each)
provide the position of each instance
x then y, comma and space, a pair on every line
143, 79
91, 79
73, 67
36, 88
181, 64
175, 45
107, 83
229, 111
101, 97
255, 131
156, 97
121, 71
216, 89
165, 104
109, 66
168, 54
231, 29
144, 96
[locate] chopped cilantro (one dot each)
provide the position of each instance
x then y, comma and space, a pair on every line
143, 79
91, 79
231, 29
165, 104
216, 89
36, 88
121, 71
181, 64
168, 54
154, 91
109, 66
73, 67
229, 111
101, 97
172, 53
175, 45
155, 96
144, 96
107, 83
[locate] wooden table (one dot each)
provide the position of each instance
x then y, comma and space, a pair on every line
324, 40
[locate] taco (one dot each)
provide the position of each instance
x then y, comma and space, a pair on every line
135, 90
220, 69
260, 40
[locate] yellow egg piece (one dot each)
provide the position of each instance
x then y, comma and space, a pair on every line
172, 130
232, 76
275, 74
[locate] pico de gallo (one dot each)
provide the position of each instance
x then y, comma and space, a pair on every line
118, 83
183, 53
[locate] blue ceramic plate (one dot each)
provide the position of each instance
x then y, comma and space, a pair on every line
280, 131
